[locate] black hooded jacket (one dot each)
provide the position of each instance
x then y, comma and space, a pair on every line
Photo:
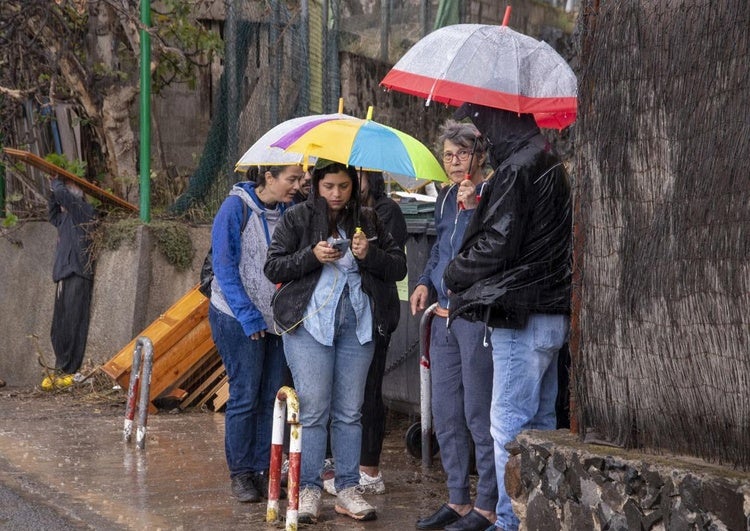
292, 263
516, 255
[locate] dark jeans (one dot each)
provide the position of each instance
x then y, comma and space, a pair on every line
255, 369
70, 322
373, 408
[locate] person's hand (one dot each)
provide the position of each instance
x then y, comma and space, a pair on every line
257, 335
467, 194
360, 245
418, 299
325, 253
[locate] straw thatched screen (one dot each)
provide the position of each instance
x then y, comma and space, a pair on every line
663, 163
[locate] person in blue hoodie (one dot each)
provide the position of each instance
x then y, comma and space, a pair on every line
242, 322
460, 356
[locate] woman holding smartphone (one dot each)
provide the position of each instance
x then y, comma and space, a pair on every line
329, 308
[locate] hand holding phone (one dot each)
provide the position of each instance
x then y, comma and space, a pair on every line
341, 244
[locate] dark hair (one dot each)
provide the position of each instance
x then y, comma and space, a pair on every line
349, 216
376, 186
260, 179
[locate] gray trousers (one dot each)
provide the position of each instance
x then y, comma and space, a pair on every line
461, 373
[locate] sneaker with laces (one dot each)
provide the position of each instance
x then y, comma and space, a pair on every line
329, 476
309, 505
244, 489
351, 503
371, 485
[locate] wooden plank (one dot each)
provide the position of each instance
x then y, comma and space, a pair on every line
181, 339
221, 398
211, 393
164, 332
38, 162
207, 383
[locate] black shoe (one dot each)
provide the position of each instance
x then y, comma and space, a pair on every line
260, 480
244, 488
439, 519
471, 521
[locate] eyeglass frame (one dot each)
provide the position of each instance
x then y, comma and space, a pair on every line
448, 156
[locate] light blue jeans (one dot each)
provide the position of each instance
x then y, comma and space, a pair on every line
330, 383
524, 390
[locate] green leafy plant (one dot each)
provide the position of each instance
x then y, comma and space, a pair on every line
76, 167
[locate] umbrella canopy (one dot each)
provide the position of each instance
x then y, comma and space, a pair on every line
262, 153
493, 66
364, 144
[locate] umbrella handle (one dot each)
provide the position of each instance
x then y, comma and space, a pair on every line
461, 203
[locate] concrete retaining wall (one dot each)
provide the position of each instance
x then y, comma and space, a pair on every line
558, 483
132, 287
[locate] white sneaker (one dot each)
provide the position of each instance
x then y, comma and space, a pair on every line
329, 476
351, 503
309, 505
371, 485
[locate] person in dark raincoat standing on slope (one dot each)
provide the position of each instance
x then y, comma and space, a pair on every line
513, 272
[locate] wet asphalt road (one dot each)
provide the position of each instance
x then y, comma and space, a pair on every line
63, 465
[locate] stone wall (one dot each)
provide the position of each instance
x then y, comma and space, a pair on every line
559, 483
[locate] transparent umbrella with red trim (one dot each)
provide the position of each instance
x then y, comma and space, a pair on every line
489, 65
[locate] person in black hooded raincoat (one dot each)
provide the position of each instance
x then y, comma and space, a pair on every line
513, 272
335, 262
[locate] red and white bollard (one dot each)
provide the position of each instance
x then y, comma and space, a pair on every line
144, 352
286, 400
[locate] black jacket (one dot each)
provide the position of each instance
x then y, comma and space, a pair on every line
516, 254
291, 263
74, 219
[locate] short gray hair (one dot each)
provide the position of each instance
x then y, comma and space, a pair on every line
462, 134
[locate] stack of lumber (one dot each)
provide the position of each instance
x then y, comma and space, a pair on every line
186, 364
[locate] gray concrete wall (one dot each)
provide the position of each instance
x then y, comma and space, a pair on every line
132, 287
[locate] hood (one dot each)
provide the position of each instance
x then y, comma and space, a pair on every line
505, 131
246, 191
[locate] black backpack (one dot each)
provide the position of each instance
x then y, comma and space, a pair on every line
207, 270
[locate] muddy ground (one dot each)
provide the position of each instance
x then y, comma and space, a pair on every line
66, 450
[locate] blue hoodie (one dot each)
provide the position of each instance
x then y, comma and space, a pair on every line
240, 288
450, 225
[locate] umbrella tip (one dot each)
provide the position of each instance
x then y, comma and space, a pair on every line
506, 18
341, 105
369, 112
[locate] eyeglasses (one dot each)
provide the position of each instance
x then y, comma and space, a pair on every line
462, 154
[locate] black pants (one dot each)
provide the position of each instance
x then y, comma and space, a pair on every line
70, 322
373, 408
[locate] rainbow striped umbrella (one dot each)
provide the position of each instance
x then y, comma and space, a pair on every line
363, 143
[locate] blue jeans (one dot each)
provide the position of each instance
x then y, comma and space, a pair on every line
330, 382
255, 369
524, 390
461, 374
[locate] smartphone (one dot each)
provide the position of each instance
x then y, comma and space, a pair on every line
341, 244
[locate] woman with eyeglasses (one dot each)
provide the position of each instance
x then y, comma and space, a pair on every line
460, 356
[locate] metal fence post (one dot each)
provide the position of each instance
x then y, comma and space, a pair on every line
286, 401
143, 356
425, 390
